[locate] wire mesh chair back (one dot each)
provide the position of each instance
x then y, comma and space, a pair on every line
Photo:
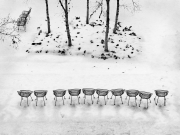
40, 93
117, 92
27, 12
59, 92
88, 91
132, 93
161, 93
102, 92
145, 95
24, 93
74, 92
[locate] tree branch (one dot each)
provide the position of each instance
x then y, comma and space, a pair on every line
62, 5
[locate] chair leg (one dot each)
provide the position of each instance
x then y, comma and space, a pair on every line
78, 99
107, 96
36, 100
114, 100
135, 101
105, 100
157, 100
71, 100
111, 96
147, 103
21, 101
91, 99
98, 99
140, 102
84, 98
63, 100
44, 101
27, 101
121, 99
55, 100
31, 99
93, 96
45, 97
128, 100
164, 101
150, 100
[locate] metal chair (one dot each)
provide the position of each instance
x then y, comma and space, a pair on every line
21, 22
88, 92
74, 92
27, 13
26, 94
161, 93
145, 95
59, 93
117, 92
40, 93
102, 92
132, 93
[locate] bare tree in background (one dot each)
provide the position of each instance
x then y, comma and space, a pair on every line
98, 5
87, 15
65, 9
135, 7
107, 26
8, 30
48, 18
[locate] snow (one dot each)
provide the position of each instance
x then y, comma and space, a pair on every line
156, 67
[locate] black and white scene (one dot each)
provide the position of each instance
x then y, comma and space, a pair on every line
89, 67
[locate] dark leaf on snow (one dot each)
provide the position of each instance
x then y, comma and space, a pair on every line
132, 34
102, 41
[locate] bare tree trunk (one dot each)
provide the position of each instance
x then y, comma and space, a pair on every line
116, 19
87, 15
47, 14
67, 24
107, 27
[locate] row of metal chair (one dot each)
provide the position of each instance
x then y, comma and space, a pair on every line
90, 92
23, 19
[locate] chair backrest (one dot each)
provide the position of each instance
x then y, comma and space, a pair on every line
145, 95
102, 92
132, 93
59, 92
117, 92
29, 10
88, 91
161, 93
40, 93
74, 92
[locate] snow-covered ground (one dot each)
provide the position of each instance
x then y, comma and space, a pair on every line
156, 67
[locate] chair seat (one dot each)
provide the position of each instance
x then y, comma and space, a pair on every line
59, 92
88, 91
74, 92
132, 93
161, 93
117, 92
145, 95
40, 93
25, 93
21, 23
102, 92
